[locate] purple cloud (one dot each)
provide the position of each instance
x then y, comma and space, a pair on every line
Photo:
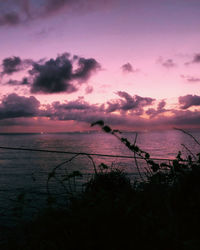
196, 58
88, 90
11, 65
85, 68
160, 109
52, 76
16, 109
57, 75
168, 63
14, 64
13, 106
18, 12
128, 102
190, 78
188, 101
128, 68
10, 19
82, 111
24, 82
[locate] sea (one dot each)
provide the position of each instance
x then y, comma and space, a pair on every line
26, 176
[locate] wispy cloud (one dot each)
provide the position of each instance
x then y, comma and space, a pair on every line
167, 63
15, 12
191, 79
128, 68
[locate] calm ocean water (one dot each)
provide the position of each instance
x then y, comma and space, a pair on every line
23, 171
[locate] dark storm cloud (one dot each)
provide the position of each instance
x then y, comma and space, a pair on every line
190, 79
128, 102
57, 75
128, 68
188, 101
13, 106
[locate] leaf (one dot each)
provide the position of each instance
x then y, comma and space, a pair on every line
136, 149
33, 177
123, 139
51, 174
178, 157
104, 166
155, 167
107, 129
99, 122
74, 174
51, 200
116, 131
65, 178
77, 173
189, 158
21, 197
150, 162
163, 164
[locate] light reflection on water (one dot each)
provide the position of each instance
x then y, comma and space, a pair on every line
29, 170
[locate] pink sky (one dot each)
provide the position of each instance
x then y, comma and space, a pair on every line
146, 49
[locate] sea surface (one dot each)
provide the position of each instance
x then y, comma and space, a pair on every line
24, 174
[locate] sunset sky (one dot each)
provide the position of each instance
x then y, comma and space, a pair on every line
65, 64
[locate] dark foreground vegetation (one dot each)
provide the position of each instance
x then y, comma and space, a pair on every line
160, 212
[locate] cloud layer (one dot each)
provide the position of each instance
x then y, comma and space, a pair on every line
126, 111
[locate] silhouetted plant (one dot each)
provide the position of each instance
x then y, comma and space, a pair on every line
66, 180
179, 165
